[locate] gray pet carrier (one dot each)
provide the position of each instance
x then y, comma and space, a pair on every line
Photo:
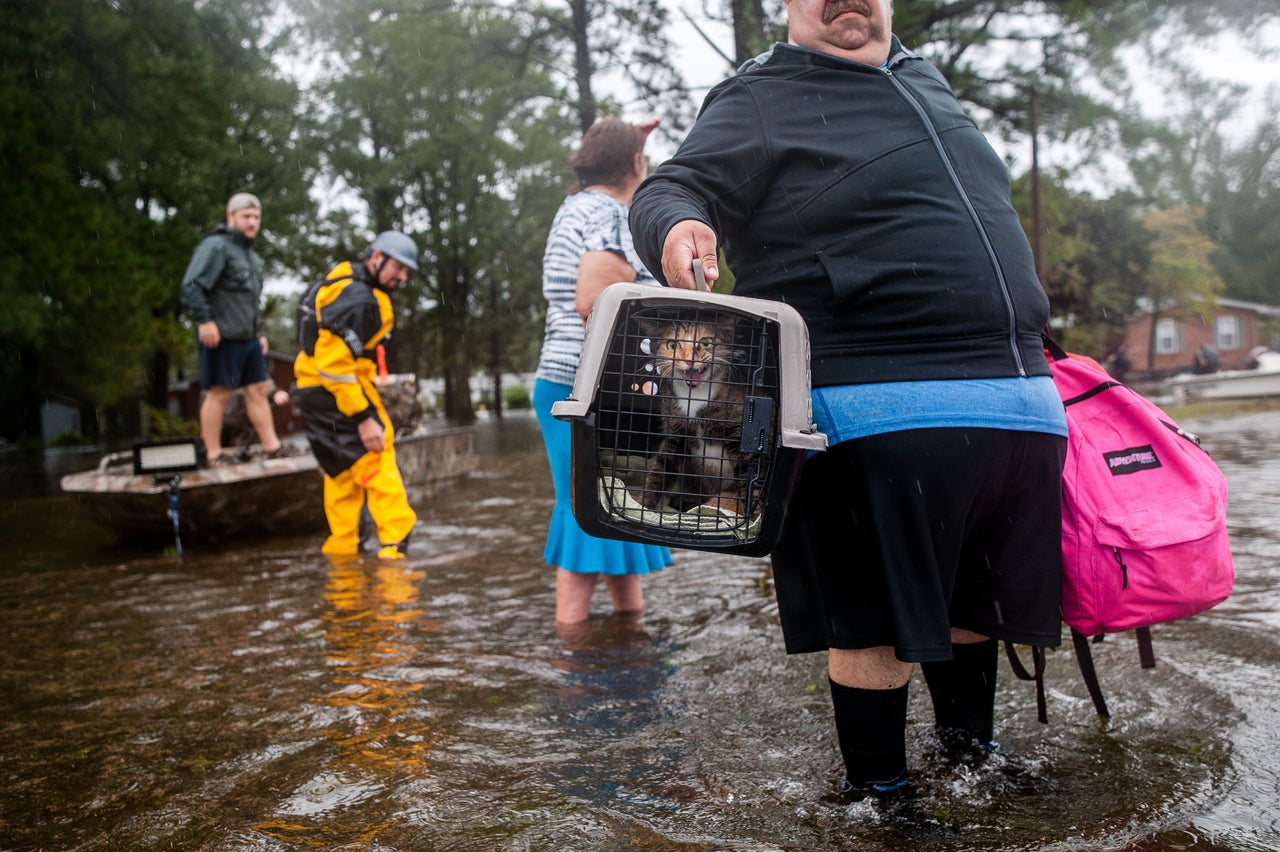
690, 418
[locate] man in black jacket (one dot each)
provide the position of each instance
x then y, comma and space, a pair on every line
221, 290
841, 176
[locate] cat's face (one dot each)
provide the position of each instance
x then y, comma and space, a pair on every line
692, 352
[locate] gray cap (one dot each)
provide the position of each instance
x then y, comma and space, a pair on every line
241, 200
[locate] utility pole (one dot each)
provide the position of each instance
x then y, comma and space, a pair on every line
1037, 203
1047, 43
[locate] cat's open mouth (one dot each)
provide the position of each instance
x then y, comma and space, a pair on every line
693, 376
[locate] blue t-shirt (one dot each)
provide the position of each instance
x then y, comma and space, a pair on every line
1032, 404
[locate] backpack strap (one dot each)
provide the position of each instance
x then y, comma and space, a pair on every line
1055, 350
1084, 658
1145, 653
1020, 671
305, 317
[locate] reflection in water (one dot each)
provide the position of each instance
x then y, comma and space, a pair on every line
611, 690
372, 623
371, 614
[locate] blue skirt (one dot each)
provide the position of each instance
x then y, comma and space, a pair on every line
568, 547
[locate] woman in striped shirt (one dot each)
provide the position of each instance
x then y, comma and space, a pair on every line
589, 248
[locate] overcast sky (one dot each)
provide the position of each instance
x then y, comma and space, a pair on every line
1224, 58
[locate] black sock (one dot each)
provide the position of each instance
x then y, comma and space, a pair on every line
963, 689
872, 727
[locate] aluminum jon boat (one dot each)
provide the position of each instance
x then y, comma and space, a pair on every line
257, 496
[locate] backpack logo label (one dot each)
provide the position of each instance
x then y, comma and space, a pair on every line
1132, 460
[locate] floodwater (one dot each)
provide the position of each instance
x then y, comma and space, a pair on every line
258, 696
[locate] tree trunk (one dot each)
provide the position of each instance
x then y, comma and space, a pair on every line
495, 351
30, 394
1151, 343
582, 63
497, 395
748, 29
158, 380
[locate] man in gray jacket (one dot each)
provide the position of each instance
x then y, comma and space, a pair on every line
221, 290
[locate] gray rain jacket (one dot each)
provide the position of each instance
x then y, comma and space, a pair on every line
223, 283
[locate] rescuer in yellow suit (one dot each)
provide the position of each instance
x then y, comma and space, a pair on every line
341, 320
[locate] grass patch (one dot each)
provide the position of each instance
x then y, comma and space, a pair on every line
1221, 408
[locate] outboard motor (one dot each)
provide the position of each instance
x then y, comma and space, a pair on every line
1206, 360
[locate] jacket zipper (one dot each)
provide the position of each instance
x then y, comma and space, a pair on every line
247, 250
920, 111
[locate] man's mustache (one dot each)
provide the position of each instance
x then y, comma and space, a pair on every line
837, 7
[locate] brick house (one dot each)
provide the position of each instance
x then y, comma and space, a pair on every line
1230, 326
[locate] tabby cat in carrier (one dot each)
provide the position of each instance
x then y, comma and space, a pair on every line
701, 393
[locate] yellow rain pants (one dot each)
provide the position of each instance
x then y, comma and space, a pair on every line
374, 478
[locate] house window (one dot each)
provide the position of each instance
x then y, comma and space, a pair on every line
1168, 337
1228, 332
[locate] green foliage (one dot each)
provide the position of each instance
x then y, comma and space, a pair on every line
1097, 256
1108, 259
724, 284
279, 322
517, 397
68, 439
79, 293
124, 127
1181, 274
1242, 213
165, 424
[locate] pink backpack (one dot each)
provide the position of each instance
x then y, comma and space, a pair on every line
1144, 536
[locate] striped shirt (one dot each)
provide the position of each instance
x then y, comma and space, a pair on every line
590, 220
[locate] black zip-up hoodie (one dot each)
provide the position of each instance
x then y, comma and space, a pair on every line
866, 199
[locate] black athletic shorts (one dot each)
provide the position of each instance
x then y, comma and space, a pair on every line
232, 364
894, 539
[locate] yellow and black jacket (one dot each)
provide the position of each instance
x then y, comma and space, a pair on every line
341, 320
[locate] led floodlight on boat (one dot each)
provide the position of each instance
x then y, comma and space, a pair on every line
690, 418
176, 455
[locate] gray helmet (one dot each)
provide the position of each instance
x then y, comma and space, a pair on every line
397, 245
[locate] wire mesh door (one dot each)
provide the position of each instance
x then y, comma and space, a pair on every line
679, 436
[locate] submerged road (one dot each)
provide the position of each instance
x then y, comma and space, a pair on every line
258, 696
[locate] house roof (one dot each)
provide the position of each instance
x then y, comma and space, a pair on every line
1262, 310
1254, 307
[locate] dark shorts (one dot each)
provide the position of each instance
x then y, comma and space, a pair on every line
233, 364
894, 539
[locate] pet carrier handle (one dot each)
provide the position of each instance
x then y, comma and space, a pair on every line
699, 276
